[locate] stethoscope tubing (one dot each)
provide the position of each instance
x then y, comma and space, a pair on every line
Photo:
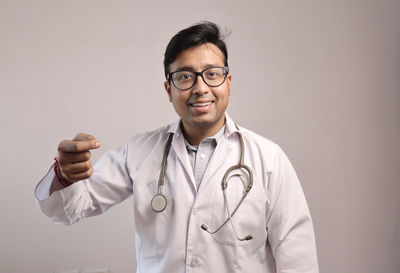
159, 201
164, 163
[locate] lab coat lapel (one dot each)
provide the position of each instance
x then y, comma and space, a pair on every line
220, 156
178, 146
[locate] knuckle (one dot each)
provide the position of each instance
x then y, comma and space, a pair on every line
76, 146
89, 172
84, 175
83, 136
87, 165
80, 135
61, 145
86, 155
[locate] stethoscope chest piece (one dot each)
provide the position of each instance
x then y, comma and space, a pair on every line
159, 202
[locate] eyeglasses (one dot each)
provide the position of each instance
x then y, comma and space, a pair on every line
212, 76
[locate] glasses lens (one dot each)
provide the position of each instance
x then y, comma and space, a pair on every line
214, 76
183, 79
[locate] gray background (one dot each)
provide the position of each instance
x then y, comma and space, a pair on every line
320, 78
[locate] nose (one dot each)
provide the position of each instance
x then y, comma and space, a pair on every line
200, 87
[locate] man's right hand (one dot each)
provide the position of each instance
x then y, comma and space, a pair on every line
74, 157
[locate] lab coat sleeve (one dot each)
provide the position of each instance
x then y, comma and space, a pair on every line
110, 184
289, 224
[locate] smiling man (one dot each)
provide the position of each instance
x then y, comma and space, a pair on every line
209, 196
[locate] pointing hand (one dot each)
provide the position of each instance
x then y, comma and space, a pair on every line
74, 157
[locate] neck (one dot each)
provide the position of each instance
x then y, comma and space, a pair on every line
195, 134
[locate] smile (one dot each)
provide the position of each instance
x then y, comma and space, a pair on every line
201, 107
201, 104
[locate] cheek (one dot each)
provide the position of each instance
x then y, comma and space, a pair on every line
223, 94
178, 99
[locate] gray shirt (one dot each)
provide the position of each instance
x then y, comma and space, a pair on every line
200, 155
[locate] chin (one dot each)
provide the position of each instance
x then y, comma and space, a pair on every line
204, 122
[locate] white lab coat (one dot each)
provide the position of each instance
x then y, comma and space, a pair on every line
274, 212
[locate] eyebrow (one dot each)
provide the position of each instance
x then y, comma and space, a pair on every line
190, 68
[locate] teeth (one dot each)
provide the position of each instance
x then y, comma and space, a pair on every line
201, 104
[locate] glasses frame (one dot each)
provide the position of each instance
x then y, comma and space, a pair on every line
197, 74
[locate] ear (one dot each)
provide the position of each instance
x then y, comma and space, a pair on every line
228, 80
167, 87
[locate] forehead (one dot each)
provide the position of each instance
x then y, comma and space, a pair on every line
199, 57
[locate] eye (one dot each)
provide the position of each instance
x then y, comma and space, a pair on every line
182, 76
185, 76
213, 73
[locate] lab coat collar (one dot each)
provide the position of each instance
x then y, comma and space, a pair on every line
175, 128
230, 126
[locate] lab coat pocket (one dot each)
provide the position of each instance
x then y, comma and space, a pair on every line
249, 218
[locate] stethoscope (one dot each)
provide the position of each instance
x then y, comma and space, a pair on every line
159, 201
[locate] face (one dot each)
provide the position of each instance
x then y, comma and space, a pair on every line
200, 107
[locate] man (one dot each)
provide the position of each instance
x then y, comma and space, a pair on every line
188, 218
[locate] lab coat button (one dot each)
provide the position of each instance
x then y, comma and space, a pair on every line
202, 156
195, 211
193, 262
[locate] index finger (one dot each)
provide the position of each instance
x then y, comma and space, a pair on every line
73, 146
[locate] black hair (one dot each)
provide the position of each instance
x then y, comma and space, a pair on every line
198, 34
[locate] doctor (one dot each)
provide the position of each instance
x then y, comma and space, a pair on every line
187, 219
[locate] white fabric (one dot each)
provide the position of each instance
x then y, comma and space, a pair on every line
274, 212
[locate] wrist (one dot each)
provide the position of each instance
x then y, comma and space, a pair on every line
57, 169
